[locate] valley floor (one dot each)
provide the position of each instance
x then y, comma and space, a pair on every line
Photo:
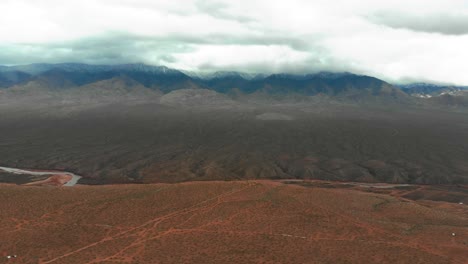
232, 222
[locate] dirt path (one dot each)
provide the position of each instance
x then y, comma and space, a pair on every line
271, 213
154, 222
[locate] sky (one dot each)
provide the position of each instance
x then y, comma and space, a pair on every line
400, 41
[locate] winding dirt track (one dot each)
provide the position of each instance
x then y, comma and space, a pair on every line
154, 222
227, 222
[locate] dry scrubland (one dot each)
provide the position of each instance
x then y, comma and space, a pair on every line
151, 143
230, 222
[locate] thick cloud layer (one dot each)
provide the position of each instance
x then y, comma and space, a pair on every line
418, 40
443, 23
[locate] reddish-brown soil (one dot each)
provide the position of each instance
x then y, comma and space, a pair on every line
228, 222
54, 180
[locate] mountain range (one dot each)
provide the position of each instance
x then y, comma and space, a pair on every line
29, 81
140, 123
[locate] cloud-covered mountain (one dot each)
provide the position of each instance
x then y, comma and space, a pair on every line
110, 81
87, 78
427, 90
143, 123
440, 95
392, 40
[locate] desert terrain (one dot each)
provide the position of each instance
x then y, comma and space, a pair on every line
261, 221
143, 164
153, 143
219, 132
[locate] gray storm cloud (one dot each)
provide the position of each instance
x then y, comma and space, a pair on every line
448, 24
390, 39
110, 48
218, 10
119, 47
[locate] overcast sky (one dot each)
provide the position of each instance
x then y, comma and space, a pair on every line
397, 40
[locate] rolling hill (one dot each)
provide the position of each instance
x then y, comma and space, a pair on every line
143, 124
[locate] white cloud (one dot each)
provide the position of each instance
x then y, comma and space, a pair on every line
388, 39
270, 58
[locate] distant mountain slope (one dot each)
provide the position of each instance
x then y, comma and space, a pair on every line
150, 142
426, 90
458, 100
197, 97
341, 86
158, 77
117, 89
438, 95
55, 88
10, 78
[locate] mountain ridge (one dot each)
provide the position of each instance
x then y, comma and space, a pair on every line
338, 85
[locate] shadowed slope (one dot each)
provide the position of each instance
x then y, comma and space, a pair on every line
157, 143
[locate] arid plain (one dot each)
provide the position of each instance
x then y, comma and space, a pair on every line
327, 168
259, 221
